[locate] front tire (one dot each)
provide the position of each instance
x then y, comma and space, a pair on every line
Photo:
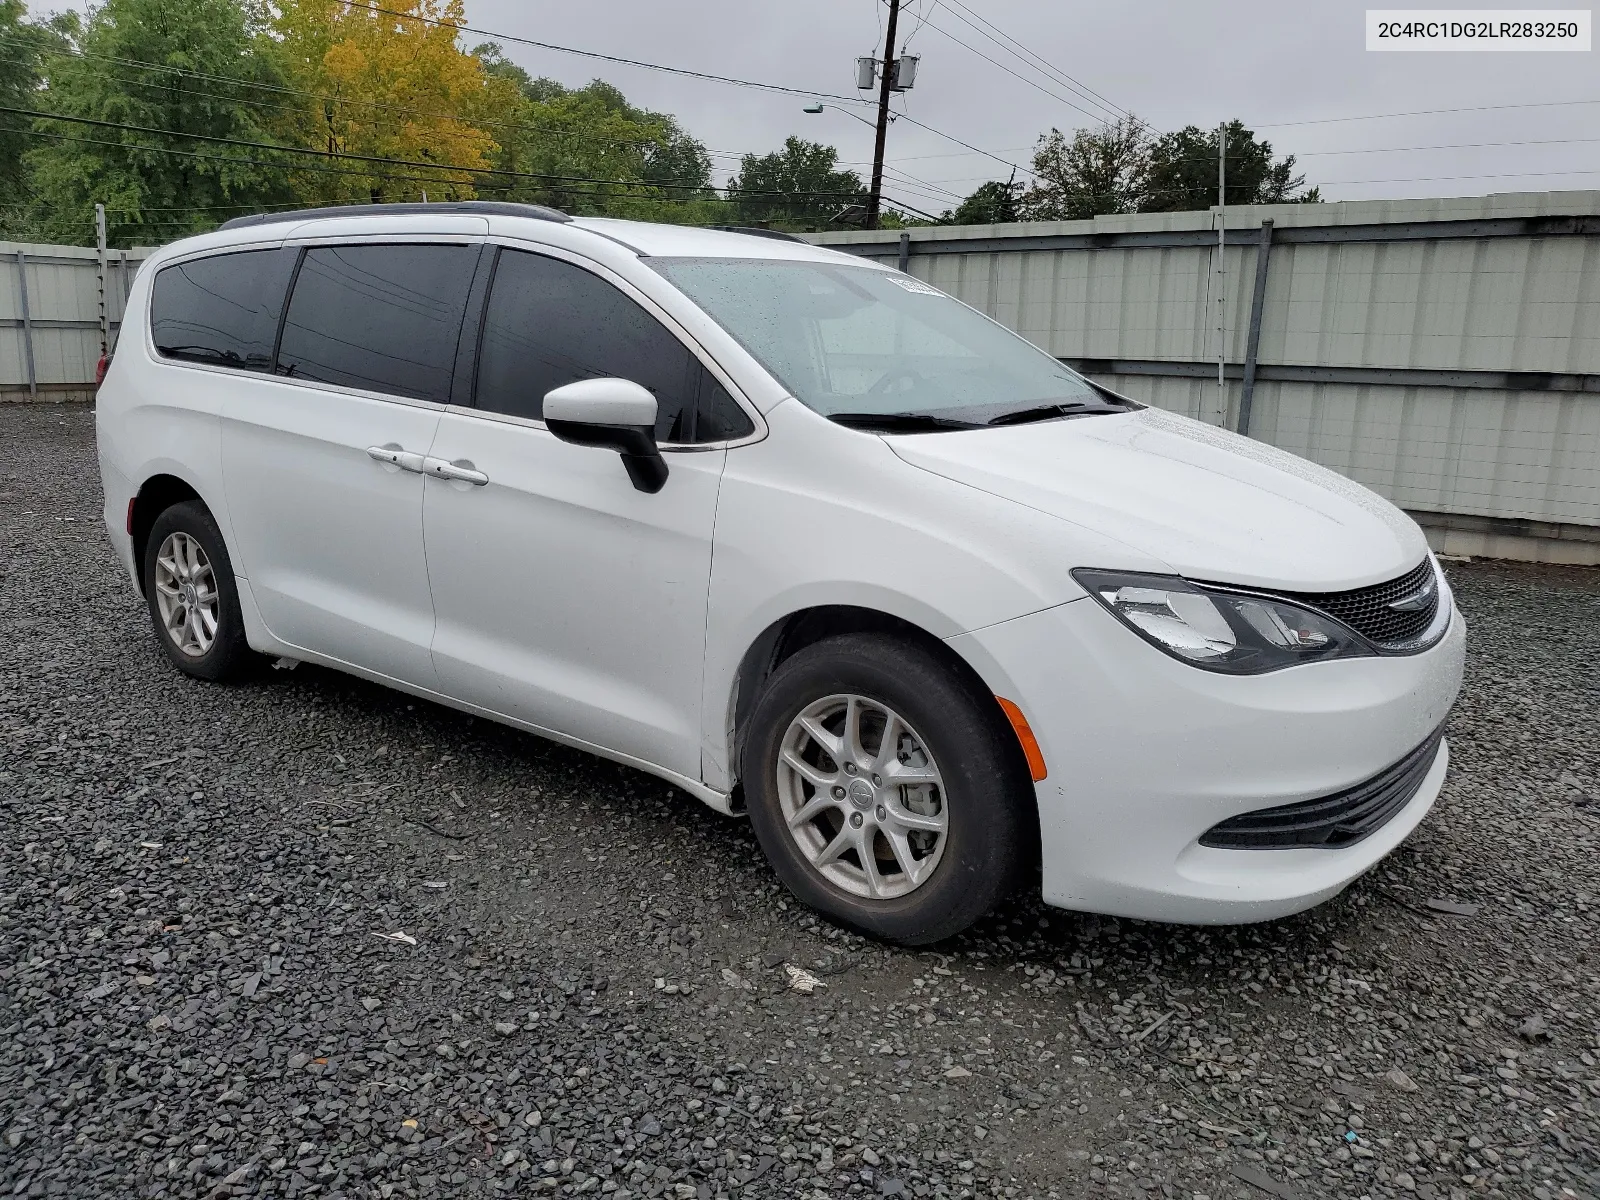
885, 788
190, 590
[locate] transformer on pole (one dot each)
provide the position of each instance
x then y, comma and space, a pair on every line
891, 74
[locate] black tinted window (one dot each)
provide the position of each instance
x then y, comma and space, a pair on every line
720, 419
551, 323
385, 318
223, 309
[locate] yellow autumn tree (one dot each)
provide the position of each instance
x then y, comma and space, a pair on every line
385, 79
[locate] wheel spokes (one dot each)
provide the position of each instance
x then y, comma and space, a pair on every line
815, 776
837, 815
814, 808
187, 598
904, 818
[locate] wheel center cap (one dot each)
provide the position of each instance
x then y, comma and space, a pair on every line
863, 794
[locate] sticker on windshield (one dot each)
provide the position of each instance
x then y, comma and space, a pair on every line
914, 285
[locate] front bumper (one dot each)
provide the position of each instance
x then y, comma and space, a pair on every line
1146, 753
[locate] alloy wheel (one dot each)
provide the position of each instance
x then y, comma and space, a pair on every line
862, 796
186, 594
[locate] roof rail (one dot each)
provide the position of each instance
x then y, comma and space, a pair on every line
757, 231
480, 208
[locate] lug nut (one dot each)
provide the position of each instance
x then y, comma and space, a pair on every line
876, 781
882, 812
849, 768
838, 792
855, 820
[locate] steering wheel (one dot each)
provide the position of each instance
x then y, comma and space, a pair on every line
885, 382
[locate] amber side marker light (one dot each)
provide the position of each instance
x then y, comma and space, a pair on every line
1024, 732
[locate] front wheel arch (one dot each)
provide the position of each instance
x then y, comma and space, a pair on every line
805, 627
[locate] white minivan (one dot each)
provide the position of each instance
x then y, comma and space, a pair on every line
798, 533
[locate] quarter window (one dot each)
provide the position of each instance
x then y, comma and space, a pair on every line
383, 318
223, 309
550, 323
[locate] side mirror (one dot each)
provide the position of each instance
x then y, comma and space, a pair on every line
615, 414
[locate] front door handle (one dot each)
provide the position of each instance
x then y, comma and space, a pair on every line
461, 470
397, 456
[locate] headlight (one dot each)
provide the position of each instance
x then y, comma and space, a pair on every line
1218, 630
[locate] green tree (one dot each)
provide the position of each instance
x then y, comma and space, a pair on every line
25, 46
989, 204
1183, 172
151, 195
1095, 171
580, 139
797, 186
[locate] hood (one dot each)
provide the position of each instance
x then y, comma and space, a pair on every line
1212, 505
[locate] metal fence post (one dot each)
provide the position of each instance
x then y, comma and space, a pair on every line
100, 271
905, 248
1247, 391
27, 325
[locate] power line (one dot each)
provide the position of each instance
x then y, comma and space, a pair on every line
370, 158
949, 138
1097, 117
1446, 178
411, 179
922, 19
462, 26
475, 121
404, 111
1451, 146
1028, 58
771, 87
1423, 112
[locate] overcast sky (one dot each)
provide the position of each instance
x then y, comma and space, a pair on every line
1172, 62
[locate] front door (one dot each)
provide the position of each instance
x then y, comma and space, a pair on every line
322, 461
564, 597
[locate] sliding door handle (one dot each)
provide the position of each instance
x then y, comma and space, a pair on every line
397, 456
461, 471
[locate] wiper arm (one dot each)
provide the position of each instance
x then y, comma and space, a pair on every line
1047, 412
899, 422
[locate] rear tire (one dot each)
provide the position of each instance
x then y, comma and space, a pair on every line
913, 862
191, 593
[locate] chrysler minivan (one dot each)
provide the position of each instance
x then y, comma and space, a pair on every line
796, 532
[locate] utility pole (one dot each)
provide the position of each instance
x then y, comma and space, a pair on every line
1222, 273
875, 198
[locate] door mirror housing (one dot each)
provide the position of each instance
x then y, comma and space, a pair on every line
614, 414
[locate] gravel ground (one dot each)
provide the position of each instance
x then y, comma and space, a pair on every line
196, 999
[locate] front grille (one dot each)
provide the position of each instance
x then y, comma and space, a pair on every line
1342, 819
1367, 611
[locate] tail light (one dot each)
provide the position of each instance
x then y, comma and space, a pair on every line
100, 369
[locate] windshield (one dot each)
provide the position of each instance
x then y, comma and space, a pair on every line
851, 342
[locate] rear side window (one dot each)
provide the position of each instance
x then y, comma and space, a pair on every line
383, 318
550, 323
223, 309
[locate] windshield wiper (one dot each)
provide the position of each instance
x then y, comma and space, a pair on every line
1048, 412
900, 422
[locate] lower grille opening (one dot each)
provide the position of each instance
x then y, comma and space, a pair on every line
1341, 819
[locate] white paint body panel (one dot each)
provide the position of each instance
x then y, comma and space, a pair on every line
601, 401
1146, 753
331, 539
1210, 504
565, 597
559, 599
